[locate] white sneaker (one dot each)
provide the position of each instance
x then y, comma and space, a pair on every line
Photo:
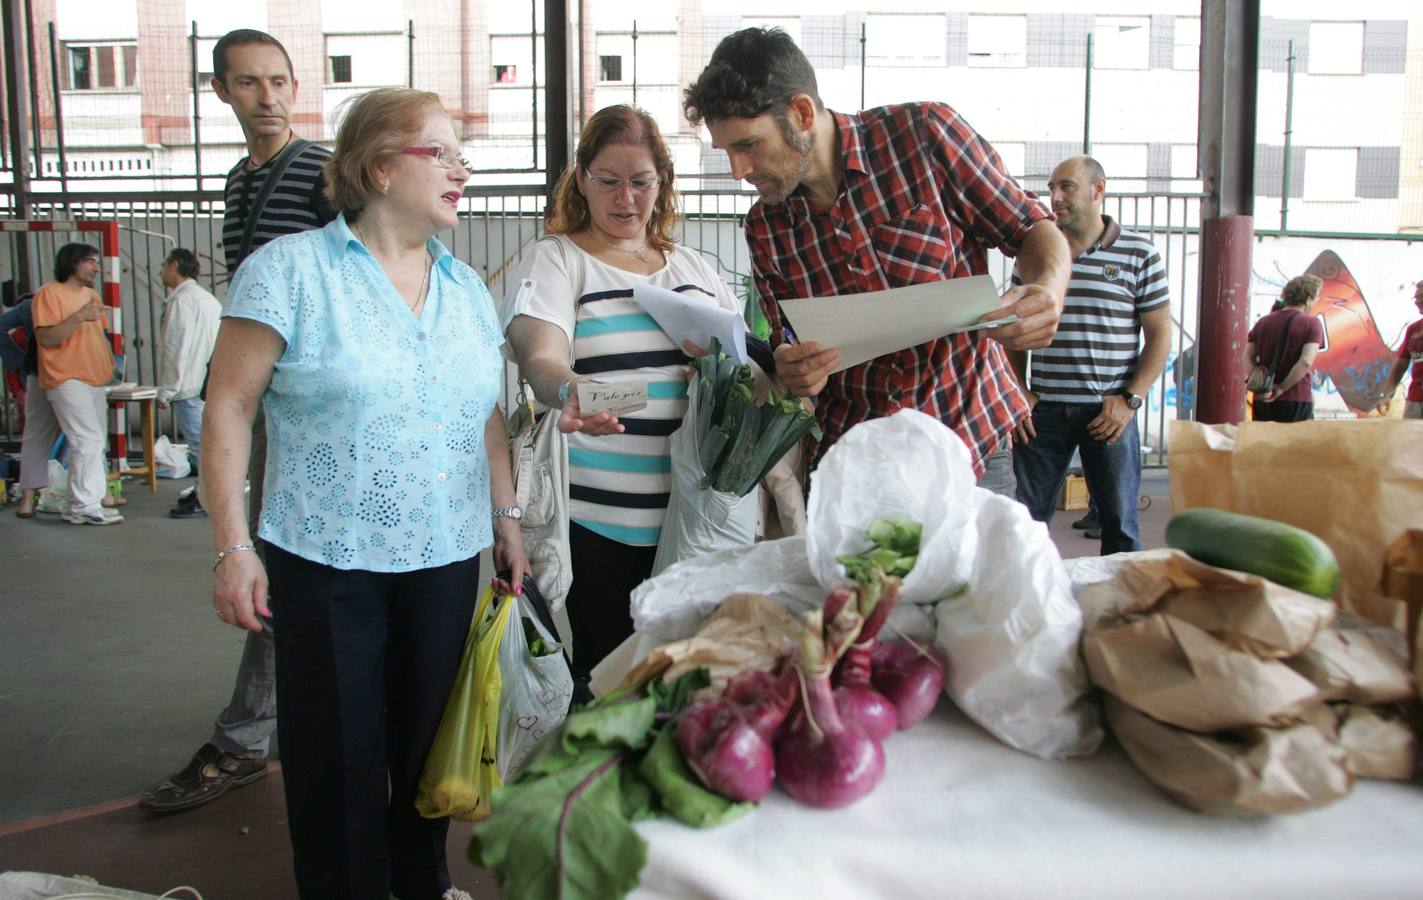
103, 517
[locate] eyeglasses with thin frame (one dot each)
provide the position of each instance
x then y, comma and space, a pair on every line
442, 157
608, 184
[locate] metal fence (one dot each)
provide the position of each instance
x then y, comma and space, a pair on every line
496, 227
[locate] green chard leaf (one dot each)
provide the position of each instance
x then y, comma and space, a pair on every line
678, 789
672, 697
625, 723
563, 835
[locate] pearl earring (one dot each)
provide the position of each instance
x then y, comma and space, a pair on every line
385, 187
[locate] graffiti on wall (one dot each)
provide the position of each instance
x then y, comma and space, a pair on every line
1355, 356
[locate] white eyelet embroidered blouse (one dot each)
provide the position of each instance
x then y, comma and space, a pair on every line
375, 419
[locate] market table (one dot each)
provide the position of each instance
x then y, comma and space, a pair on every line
961, 815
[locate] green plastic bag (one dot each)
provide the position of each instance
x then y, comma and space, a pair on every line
461, 771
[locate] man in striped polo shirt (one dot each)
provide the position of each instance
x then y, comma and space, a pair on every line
253, 74
1088, 384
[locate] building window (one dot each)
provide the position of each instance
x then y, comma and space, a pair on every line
1122, 42
997, 41
610, 68
1336, 48
99, 66
338, 70
905, 40
1187, 44
1331, 173
506, 74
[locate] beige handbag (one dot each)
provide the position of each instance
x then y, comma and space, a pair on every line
538, 457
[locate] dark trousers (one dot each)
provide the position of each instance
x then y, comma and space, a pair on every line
365, 664
1112, 471
604, 574
1283, 411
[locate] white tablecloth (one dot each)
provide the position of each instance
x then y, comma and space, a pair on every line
960, 815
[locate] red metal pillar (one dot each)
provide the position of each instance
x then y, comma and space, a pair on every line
1226, 243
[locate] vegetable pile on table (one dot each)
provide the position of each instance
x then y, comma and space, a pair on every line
739, 441
815, 725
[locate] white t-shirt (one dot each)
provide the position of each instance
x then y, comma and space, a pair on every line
619, 484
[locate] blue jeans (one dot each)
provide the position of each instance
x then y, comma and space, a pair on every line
189, 414
1113, 471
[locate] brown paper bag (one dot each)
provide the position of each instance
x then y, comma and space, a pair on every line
1355, 484
1180, 674
1245, 611
747, 631
1260, 771
1379, 743
1353, 663
1403, 580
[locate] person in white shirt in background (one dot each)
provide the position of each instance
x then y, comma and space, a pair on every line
190, 321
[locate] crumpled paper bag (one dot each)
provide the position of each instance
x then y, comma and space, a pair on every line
1258, 771
1356, 484
1245, 611
1354, 661
1377, 743
747, 631
1178, 673
1403, 581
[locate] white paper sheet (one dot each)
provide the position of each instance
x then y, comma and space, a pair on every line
688, 319
864, 326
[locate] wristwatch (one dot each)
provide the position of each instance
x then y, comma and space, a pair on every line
507, 512
1133, 401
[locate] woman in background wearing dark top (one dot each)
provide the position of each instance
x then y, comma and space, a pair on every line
1292, 397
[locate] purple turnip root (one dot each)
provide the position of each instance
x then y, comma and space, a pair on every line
910, 677
825, 760
855, 695
728, 754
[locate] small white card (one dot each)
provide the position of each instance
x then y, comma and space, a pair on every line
619, 399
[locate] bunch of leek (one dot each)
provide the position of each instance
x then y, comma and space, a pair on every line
738, 440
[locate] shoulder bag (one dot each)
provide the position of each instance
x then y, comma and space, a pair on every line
538, 457
1262, 379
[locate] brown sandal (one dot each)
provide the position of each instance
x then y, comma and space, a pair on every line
209, 775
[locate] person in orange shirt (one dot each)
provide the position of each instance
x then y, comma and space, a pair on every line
75, 365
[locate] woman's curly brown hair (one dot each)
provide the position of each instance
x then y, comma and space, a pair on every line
619, 124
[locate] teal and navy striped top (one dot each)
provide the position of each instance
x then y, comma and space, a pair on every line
619, 484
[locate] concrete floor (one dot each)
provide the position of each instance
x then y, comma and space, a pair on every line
112, 667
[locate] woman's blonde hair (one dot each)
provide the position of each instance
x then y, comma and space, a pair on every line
610, 125
375, 126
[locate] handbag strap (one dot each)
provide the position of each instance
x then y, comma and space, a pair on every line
264, 193
1280, 348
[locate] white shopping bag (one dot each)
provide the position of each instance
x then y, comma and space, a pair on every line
535, 690
700, 521
171, 459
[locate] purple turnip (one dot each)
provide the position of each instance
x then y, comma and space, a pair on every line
910, 676
825, 760
728, 754
855, 695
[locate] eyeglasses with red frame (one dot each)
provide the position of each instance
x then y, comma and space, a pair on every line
442, 157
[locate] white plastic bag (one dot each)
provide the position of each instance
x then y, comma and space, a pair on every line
905, 466
171, 459
535, 691
1012, 640
700, 521
55, 497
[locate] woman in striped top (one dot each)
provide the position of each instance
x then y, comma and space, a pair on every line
615, 209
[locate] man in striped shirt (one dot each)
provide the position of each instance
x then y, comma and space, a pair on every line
253, 74
884, 198
1088, 384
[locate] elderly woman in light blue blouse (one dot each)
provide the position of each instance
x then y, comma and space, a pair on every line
376, 356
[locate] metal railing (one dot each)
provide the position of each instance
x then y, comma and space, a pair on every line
498, 224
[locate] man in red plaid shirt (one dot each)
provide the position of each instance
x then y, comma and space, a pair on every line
889, 197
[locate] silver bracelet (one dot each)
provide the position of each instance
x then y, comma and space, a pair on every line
235, 548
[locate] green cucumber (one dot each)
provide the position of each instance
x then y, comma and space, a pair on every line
1273, 550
